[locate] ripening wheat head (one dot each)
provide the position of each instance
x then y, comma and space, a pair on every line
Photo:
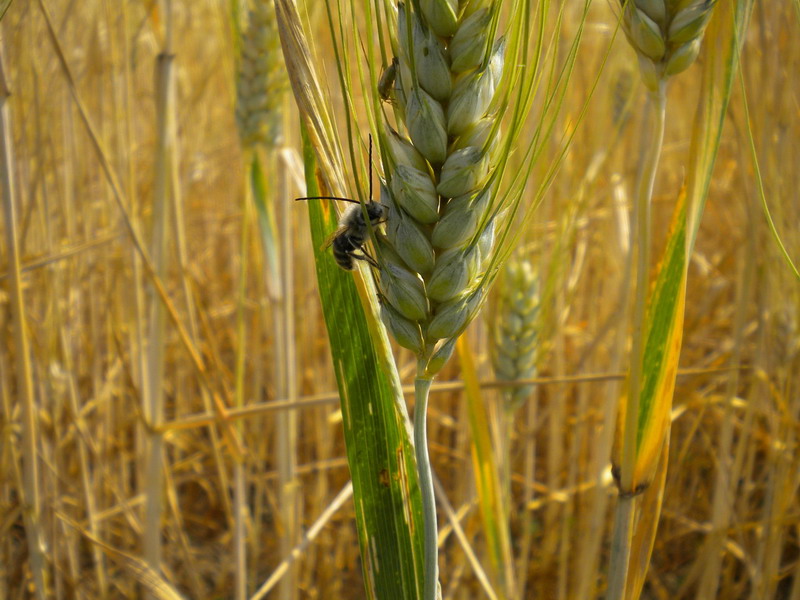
516, 333
262, 82
666, 34
440, 177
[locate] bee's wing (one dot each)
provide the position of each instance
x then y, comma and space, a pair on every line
329, 240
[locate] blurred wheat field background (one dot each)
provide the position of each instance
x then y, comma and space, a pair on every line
249, 448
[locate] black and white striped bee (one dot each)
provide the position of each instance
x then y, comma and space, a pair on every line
347, 242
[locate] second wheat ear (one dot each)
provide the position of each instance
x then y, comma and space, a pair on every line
666, 35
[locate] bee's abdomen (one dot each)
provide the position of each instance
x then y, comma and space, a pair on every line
343, 248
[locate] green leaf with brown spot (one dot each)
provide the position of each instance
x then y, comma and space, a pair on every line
377, 431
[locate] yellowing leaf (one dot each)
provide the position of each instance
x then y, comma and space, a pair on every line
487, 477
664, 334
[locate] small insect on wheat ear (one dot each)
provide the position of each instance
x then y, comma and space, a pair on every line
347, 242
387, 81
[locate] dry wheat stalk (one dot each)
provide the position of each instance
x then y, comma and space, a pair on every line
261, 87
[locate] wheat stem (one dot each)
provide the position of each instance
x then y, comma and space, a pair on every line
153, 483
422, 386
32, 508
620, 553
239, 493
286, 442
261, 84
644, 195
620, 547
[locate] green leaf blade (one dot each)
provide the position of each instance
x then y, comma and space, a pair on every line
379, 450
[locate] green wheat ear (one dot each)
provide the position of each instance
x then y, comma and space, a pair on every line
439, 171
439, 159
262, 83
666, 34
515, 342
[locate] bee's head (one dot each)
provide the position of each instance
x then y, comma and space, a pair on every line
377, 211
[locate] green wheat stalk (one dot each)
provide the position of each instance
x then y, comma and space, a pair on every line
261, 87
666, 36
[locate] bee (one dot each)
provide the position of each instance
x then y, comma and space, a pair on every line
347, 242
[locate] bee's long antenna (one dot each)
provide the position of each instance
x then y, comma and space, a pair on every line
370, 167
339, 197
327, 198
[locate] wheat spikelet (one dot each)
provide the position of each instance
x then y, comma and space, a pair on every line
666, 34
439, 188
515, 342
262, 83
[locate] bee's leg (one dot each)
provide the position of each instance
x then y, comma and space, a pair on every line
366, 258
